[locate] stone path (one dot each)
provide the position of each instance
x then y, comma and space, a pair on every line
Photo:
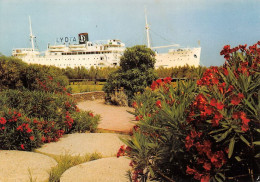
113, 118
107, 144
15, 166
106, 170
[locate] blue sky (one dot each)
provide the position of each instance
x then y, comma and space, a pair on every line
214, 22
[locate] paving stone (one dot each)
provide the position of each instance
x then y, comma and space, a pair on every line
15, 166
113, 118
106, 170
107, 144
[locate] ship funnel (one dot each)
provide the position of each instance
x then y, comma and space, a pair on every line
83, 38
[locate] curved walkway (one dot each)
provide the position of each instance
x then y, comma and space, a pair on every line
113, 118
19, 165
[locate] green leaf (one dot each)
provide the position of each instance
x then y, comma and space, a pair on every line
222, 175
258, 130
244, 140
257, 155
256, 143
216, 131
238, 158
250, 105
151, 171
218, 179
231, 147
223, 136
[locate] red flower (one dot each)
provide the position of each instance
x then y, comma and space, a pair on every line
225, 71
159, 104
2, 120
213, 102
154, 85
43, 139
235, 100
205, 178
240, 95
121, 151
236, 115
207, 166
135, 105
167, 80
220, 105
159, 82
22, 146
91, 114
197, 176
209, 110
31, 138
137, 118
190, 170
244, 128
29, 130
189, 142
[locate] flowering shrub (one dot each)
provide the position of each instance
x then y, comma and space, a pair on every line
17, 132
44, 116
200, 131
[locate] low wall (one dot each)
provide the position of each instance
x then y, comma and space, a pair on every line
79, 97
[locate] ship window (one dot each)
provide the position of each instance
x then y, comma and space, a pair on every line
195, 55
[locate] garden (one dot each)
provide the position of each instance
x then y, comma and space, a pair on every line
201, 128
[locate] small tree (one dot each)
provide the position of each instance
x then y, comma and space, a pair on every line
136, 72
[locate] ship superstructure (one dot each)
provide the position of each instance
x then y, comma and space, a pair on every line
174, 57
85, 53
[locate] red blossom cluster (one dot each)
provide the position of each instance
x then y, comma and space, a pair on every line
91, 114
15, 116
49, 85
24, 127
227, 51
69, 121
122, 151
242, 115
206, 160
161, 83
49, 131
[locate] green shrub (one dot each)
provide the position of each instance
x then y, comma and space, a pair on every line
136, 72
119, 98
11, 70
84, 121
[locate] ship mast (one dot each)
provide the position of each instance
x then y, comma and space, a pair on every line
147, 31
31, 34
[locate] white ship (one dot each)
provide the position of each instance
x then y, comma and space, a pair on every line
88, 54
85, 53
174, 57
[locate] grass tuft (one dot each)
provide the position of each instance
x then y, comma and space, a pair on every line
67, 161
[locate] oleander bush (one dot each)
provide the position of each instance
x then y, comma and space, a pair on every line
39, 110
16, 74
206, 130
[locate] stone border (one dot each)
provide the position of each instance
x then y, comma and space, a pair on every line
88, 96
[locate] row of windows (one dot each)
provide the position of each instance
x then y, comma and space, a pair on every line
80, 53
101, 58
